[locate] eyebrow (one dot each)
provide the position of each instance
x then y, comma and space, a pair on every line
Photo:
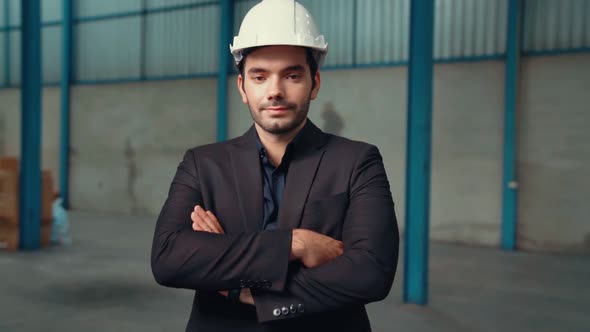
294, 68
257, 70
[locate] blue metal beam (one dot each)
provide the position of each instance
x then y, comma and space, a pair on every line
18, 27
226, 12
66, 82
509, 183
559, 51
30, 173
147, 78
133, 13
7, 43
418, 151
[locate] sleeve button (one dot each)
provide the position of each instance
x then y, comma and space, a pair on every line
300, 308
276, 312
293, 309
284, 311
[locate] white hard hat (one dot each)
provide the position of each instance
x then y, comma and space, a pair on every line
279, 22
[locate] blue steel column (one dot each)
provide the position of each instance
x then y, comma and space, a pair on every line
30, 174
66, 78
226, 11
7, 42
419, 133
509, 183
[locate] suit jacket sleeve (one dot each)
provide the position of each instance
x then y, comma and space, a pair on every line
183, 258
365, 271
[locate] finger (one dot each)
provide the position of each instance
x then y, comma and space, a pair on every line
196, 227
215, 222
197, 216
205, 218
208, 214
201, 223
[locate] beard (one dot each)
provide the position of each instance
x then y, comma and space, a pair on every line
280, 125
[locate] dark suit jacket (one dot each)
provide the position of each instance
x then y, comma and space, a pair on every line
334, 186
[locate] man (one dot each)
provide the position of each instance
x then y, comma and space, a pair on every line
285, 228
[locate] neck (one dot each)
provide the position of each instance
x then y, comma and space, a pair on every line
276, 144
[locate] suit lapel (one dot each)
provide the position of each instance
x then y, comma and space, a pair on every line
302, 172
301, 175
248, 179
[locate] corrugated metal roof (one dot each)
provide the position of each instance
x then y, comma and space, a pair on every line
2, 58
51, 53
556, 24
183, 42
108, 49
152, 4
465, 28
83, 8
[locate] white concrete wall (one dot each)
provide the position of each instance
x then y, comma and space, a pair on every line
554, 154
127, 140
468, 113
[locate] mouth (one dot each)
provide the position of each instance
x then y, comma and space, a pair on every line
280, 108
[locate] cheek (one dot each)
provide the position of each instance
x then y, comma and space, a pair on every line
253, 94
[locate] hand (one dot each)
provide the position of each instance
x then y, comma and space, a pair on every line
205, 221
245, 296
314, 249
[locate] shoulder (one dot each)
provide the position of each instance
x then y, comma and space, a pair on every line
350, 147
210, 148
215, 149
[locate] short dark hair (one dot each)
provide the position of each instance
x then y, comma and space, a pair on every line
309, 57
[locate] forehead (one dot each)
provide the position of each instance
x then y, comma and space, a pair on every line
276, 57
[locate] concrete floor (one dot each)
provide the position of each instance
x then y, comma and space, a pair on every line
102, 282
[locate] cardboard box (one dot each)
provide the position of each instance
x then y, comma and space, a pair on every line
45, 233
9, 235
9, 164
47, 196
9, 196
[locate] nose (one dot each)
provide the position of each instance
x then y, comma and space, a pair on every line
275, 89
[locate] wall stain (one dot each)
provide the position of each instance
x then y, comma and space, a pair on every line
333, 121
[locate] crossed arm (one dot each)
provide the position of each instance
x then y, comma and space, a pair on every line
331, 275
310, 248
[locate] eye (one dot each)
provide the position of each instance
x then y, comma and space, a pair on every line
258, 78
293, 76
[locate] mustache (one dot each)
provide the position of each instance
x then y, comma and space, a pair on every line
278, 104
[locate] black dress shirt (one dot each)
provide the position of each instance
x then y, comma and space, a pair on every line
273, 182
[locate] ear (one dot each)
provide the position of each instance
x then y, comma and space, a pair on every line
316, 88
240, 83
